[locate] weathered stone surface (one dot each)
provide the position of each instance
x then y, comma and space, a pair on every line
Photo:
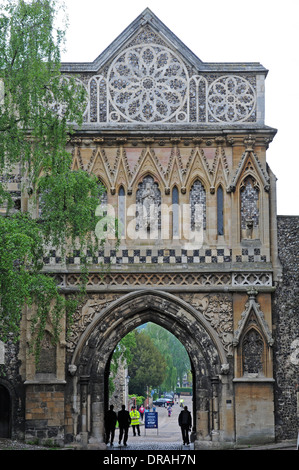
214, 292
286, 330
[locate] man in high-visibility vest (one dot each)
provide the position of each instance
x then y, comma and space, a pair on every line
134, 415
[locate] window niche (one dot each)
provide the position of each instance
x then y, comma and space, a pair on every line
253, 342
249, 202
198, 206
253, 353
47, 360
220, 216
103, 201
175, 214
148, 207
121, 212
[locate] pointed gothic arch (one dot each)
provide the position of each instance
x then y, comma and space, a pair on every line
253, 340
253, 352
220, 210
198, 204
97, 343
121, 212
175, 212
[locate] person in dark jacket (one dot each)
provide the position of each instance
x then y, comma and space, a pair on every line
110, 423
124, 421
185, 423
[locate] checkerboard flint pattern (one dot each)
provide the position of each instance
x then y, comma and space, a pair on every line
162, 256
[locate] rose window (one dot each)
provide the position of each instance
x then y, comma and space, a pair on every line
148, 84
231, 99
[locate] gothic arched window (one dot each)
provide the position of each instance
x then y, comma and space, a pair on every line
121, 212
220, 223
103, 198
198, 206
175, 213
253, 349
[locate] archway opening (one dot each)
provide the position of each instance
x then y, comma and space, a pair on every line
151, 369
95, 349
5, 412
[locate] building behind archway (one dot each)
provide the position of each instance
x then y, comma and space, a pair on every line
180, 146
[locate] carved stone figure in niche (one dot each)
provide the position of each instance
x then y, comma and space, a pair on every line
252, 353
249, 208
148, 202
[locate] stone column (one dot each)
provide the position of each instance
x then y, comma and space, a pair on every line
84, 381
97, 412
202, 416
215, 409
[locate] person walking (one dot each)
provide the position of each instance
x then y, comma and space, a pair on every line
124, 421
110, 423
134, 415
185, 423
141, 411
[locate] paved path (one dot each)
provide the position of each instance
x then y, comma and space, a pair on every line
167, 437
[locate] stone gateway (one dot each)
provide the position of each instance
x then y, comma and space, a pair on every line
180, 147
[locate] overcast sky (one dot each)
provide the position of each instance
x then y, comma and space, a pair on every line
265, 31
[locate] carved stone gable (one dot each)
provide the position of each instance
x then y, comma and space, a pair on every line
148, 76
253, 311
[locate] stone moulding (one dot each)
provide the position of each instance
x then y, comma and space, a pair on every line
137, 302
216, 308
167, 280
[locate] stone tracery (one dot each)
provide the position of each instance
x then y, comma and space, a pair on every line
231, 98
147, 84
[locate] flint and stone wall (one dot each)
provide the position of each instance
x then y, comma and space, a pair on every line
286, 331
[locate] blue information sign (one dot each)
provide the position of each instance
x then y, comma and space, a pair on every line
151, 419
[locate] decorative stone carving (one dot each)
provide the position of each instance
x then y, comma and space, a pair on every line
250, 165
224, 369
253, 306
142, 280
231, 98
72, 368
148, 201
252, 279
84, 316
249, 206
217, 309
148, 83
